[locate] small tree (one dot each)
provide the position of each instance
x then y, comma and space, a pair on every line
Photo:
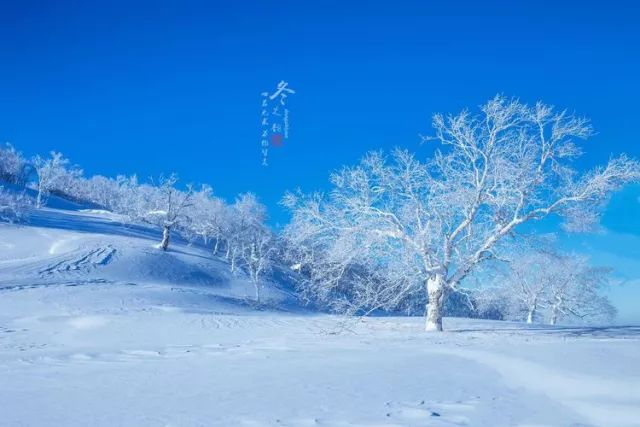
51, 172
14, 207
250, 242
206, 217
169, 206
547, 285
245, 216
258, 257
525, 283
507, 165
12, 165
574, 293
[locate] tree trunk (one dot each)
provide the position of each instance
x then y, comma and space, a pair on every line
554, 316
166, 235
39, 199
215, 247
436, 293
257, 286
531, 315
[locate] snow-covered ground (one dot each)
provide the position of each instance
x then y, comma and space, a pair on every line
99, 328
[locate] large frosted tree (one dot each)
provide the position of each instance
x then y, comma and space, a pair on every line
438, 221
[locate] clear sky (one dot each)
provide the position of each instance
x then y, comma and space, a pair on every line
149, 87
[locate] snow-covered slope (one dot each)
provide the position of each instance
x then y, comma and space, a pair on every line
99, 328
79, 246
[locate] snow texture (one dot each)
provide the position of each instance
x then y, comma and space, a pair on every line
99, 328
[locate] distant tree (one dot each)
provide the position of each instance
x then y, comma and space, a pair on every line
169, 206
547, 286
206, 215
574, 293
526, 283
507, 165
250, 244
14, 206
258, 257
102, 191
70, 184
12, 165
52, 174
239, 228
219, 217
245, 215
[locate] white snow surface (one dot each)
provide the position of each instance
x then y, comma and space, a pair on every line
99, 328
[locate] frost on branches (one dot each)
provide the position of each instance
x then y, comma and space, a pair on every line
546, 287
237, 231
53, 173
168, 207
13, 166
14, 207
250, 239
393, 226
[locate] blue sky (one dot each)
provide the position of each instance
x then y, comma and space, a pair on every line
151, 87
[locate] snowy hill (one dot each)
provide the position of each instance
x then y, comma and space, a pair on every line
98, 327
78, 246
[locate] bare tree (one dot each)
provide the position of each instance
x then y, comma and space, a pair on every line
574, 292
170, 206
548, 286
207, 215
14, 206
526, 283
12, 165
500, 168
258, 257
51, 171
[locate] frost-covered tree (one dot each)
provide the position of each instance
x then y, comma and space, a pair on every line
12, 165
246, 216
168, 206
240, 228
574, 294
206, 216
14, 206
525, 285
547, 286
119, 195
258, 256
70, 184
219, 217
340, 271
250, 243
52, 173
494, 171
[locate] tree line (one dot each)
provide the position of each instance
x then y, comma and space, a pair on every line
395, 231
236, 231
